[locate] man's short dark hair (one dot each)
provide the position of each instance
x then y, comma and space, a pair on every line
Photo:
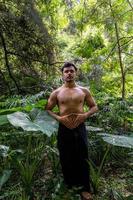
68, 64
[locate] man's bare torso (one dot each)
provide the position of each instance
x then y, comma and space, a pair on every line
70, 100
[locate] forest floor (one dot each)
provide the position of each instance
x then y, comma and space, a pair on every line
116, 184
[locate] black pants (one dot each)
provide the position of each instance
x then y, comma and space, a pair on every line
73, 149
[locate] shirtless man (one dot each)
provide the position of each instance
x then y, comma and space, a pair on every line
72, 138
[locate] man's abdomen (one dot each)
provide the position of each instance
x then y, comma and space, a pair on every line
66, 110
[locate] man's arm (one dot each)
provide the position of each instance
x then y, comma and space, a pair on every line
90, 103
52, 102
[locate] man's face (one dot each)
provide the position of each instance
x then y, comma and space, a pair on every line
69, 74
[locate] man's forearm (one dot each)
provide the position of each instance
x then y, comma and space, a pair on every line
53, 114
92, 110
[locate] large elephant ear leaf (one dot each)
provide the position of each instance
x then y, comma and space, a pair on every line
46, 123
20, 119
4, 150
118, 140
3, 120
36, 120
4, 178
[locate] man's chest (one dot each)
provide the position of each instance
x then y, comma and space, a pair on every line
71, 97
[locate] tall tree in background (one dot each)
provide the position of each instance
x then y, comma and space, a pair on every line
25, 41
36, 36
111, 20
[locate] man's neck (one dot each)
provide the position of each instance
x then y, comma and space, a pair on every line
70, 84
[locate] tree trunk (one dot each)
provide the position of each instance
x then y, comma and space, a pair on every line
119, 54
120, 61
5, 82
7, 62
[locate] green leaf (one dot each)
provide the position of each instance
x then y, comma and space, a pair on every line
116, 195
93, 129
5, 176
118, 140
3, 120
4, 150
36, 120
129, 197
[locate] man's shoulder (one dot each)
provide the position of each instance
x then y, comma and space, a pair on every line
84, 89
56, 91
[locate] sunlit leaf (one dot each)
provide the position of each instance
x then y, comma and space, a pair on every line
4, 150
93, 129
118, 140
5, 176
3, 120
36, 120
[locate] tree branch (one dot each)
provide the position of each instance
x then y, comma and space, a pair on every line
130, 4
7, 62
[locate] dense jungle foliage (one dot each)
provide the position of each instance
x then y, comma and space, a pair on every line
36, 38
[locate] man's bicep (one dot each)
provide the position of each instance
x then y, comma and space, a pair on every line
52, 101
89, 99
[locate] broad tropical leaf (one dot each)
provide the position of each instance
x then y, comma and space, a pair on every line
93, 129
118, 140
5, 176
36, 120
3, 120
4, 150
